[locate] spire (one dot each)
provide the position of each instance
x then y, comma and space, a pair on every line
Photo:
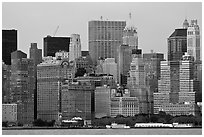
130, 25
130, 15
185, 24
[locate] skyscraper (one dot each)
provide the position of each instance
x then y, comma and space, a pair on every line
193, 40
177, 44
22, 86
104, 38
136, 81
130, 42
130, 37
51, 73
9, 44
177, 88
36, 56
55, 44
74, 47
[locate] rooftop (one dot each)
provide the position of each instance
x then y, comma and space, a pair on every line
179, 32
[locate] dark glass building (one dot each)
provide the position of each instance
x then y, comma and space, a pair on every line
55, 44
177, 44
9, 44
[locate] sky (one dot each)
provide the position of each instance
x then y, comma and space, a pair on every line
155, 21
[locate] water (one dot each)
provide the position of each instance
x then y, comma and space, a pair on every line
141, 131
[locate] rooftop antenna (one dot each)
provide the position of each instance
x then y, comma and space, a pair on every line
56, 31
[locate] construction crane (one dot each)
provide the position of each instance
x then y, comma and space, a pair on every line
56, 31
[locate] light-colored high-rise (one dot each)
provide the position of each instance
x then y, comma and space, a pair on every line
104, 38
74, 47
193, 40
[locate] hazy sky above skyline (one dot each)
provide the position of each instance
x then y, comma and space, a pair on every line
155, 21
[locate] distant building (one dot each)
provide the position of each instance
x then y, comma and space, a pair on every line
6, 78
126, 106
9, 44
130, 36
136, 82
124, 60
110, 67
22, 86
104, 38
193, 40
36, 56
55, 44
177, 44
50, 75
102, 101
9, 112
77, 100
74, 47
177, 87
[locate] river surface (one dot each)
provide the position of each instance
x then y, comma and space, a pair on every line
140, 131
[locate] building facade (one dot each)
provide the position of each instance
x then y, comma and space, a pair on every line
9, 112
74, 47
193, 40
22, 86
104, 38
77, 100
9, 44
55, 44
36, 56
102, 101
6, 78
126, 106
50, 75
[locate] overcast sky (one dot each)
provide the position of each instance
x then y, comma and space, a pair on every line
155, 21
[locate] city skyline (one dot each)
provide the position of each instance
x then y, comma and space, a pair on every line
153, 31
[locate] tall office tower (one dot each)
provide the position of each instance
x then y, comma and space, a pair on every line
124, 60
193, 40
180, 98
130, 37
74, 47
130, 42
50, 75
22, 86
9, 45
55, 44
152, 72
6, 75
78, 100
104, 38
36, 56
102, 101
136, 81
177, 44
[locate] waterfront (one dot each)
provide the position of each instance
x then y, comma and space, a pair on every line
139, 131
